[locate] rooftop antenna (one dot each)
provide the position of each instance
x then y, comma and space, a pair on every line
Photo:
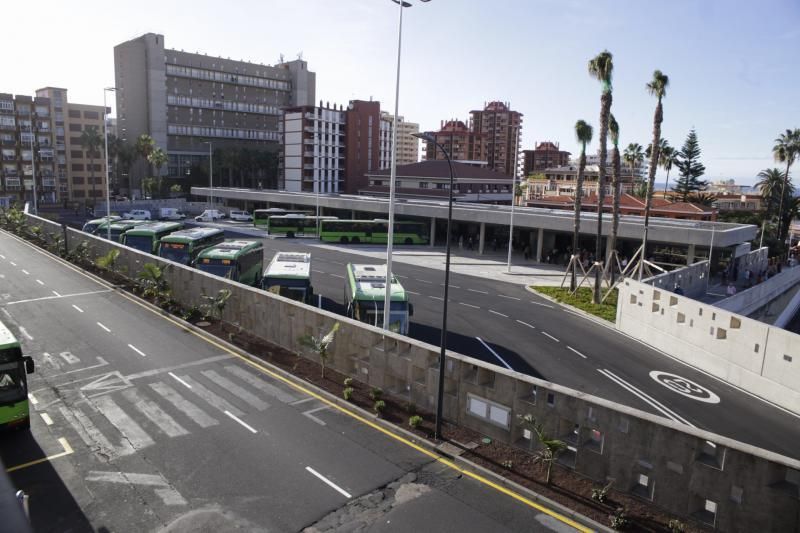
300, 55
280, 61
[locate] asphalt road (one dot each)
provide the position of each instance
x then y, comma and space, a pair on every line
505, 325
140, 425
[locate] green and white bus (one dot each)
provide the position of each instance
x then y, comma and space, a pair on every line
92, 225
145, 237
364, 296
261, 216
295, 225
183, 245
14, 368
373, 231
289, 274
118, 227
238, 260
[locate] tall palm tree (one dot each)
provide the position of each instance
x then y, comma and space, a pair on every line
786, 149
126, 155
666, 160
158, 158
91, 140
769, 184
613, 130
115, 145
633, 156
656, 87
601, 67
583, 132
144, 146
663, 146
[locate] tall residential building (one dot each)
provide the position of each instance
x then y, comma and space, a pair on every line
61, 165
501, 127
461, 143
407, 145
369, 143
546, 155
185, 100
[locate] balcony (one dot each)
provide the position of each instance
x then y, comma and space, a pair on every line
48, 182
12, 181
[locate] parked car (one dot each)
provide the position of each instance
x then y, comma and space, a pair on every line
137, 214
243, 216
170, 213
209, 215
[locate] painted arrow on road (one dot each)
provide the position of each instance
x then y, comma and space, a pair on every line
163, 489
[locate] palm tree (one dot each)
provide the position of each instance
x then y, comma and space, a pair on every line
126, 155
633, 156
770, 184
144, 146
583, 132
613, 129
668, 157
656, 87
91, 140
601, 67
550, 447
703, 198
786, 149
158, 158
115, 146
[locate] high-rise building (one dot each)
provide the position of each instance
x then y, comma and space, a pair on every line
184, 100
369, 143
407, 145
501, 127
43, 133
461, 143
546, 155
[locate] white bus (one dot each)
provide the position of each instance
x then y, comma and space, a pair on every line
289, 274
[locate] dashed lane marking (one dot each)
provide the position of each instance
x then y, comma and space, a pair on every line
78, 309
423, 281
25, 332
240, 421
179, 380
541, 304
550, 336
570, 348
525, 324
40, 282
436, 298
509, 297
32, 399
412, 292
105, 328
498, 313
476, 290
469, 305
137, 350
337, 276
56, 293
328, 482
46, 418
24, 271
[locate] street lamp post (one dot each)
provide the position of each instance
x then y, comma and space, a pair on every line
105, 144
443, 342
513, 201
210, 176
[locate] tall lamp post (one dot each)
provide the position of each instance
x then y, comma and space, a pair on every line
443, 342
513, 200
387, 299
105, 148
210, 176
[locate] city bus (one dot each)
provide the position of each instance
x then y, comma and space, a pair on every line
289, 274
294, 225
146, 236
183, 245
364, 296
14, 368
92, 225
373, 231
238, 260
261, 216
118, 227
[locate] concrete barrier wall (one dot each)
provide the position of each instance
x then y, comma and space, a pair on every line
757, 261
692, 279
678, 468
757, 357
789, 312
750, 300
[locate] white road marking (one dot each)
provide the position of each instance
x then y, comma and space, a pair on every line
337, 276
183, 405
92, 436
304, 400
25, 332
412, 292
526, 324
137, 350
436, 298
2, 256
46, 418
180, 380
163, 489
397, 275
469, 305
154, 413
126, 425
40, 282
235, 418
423, 280
318, 271
56, 293
221, 404
644, 397
497, 313
476, 290
102, 362
236, 390
451, 286
5, 312
59, 296
77, 308
69, 358
570, 348
543, 305
509, 297
310, 414
32, 399
494, 353
105, 328
260, 384
24, 271
328, 482
13, 263
550, 336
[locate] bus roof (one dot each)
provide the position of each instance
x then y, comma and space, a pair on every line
368, 282
289, 265
191, 234
121, 224
151, 228
102, 220
7, 339
229, 249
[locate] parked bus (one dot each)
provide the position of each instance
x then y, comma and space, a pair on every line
289, 274
364, 297
261, 216
14, 368
373, 231
145, 237
238, 260
92, 225
183, 245
294, 225
118, 227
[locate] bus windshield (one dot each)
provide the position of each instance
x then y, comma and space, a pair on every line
371, 312
296, 289
175, 251
217, 268
12, 383
140, 242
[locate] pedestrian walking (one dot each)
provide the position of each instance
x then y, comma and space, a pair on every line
526, 252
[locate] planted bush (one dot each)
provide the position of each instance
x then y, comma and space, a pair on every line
379, 407
376, 393
347, 393
415, 421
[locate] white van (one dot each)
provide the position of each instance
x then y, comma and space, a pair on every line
242, 216
137, 214
209, 215
170, 213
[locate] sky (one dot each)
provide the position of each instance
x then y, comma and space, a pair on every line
732, 64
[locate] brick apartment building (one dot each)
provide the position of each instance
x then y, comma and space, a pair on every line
545, 155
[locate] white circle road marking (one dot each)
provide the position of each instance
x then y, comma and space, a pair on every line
684, 387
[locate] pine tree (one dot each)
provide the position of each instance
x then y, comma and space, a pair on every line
690, 168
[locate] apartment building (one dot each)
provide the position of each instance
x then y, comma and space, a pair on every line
186, 100
407, 144
459, 140
368, 143
562, 181
545, 155
313, 155
501, 127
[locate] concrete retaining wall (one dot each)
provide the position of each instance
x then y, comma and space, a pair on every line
750, 300
669, 464
692, 279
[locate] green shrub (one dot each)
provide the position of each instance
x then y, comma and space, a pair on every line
676, 526
601, 493
415, 421
347, 393
376, 393
582, 299
348, 382
619, 520
379, 407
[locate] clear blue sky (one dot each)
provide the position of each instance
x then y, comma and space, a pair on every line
733, 64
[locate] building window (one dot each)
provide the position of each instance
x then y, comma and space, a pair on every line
423, 184
74, 127
74, 113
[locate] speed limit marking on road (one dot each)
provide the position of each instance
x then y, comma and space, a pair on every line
684, 387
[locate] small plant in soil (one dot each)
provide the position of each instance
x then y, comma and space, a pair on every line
192, 313
619, 520
214, 305
676, 526
600, 494
376, 393
379, 407
320, 345
347, 393
348, 382
415, 421
550, 448
508, 464
153, 284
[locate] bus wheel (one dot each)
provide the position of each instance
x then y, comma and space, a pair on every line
356, 240
290, 234
409, 241
343, 240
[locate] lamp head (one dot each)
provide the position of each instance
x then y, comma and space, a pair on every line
427, 137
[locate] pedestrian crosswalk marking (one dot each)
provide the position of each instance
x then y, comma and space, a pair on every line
236, 390
220, 403
154, 413
92, 436
132, 431
183, 405
260, 384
